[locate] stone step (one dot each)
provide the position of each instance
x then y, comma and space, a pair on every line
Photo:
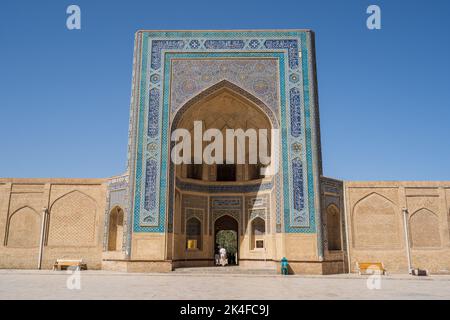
224, 270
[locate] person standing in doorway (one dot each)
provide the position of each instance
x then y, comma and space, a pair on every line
223, 257
217, 256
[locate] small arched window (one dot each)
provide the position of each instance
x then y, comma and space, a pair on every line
258, 233
193, 234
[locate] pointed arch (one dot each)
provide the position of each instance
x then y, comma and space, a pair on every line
23, 207
226, 234
333, 206
228, 93
217, 89
423, 209
374, 194
69, 193
217, 108
225, 215
194, 233
258, 232
376, 223
424, 229
333, 220
23, 228
72, 220
115, 229
225, 220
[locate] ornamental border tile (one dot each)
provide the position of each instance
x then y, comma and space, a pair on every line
293, 50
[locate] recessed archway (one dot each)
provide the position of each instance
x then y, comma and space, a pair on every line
376, 212
333, 227
258, 232
226, 235
115, 232
24, 228
193, 234
223, 110
221, 107
424, 229
72, 221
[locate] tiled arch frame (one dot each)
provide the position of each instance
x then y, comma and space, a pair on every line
149, 138
225, 84
222, 85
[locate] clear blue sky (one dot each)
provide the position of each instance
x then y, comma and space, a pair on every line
384, 95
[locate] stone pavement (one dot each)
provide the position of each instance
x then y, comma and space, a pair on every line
19, 284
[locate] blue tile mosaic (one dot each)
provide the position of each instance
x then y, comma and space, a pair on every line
153, 113
158, 45
296, 116
224, 44
150, 185
297, 177
281, 45
223, 188
291, 45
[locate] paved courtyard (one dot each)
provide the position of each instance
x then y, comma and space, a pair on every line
15, 284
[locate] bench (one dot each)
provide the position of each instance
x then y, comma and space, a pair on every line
64, 264
370, 268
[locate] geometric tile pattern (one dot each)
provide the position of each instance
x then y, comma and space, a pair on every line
226, 205
157, 52
196, 187
192, 76
258, 207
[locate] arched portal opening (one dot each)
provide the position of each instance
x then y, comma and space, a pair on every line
226, 164
230, 158
226, 235
115, 232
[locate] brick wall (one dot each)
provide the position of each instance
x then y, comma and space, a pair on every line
73, 230
376, 233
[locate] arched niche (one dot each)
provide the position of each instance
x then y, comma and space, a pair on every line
24, 228
225, 107
376, 223
227, 228
334, 227
424, 229
115, 229
193, 234
72, 221
258, 232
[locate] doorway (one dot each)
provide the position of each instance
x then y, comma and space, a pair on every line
115, 232
226, 235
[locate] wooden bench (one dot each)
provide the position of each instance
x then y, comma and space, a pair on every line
370, 268
64, 264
